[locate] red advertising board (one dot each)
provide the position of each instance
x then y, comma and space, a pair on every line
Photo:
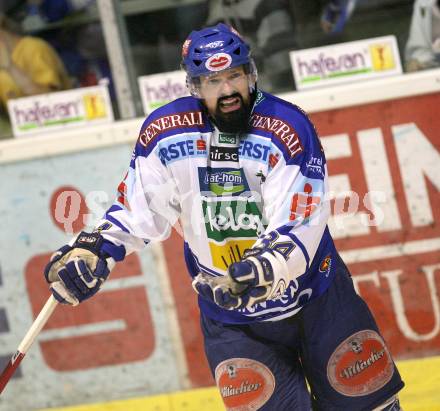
386, 156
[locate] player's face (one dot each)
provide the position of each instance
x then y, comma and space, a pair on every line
227, 98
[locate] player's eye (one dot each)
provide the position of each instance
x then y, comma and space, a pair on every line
235, 76
213, 82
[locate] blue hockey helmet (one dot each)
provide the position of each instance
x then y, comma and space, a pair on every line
214, 49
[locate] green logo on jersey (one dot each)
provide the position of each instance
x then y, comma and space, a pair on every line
259, 98
228, 182
227, 138
231, 215
222, 181
232, 219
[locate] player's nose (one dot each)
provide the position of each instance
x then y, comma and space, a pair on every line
226, 89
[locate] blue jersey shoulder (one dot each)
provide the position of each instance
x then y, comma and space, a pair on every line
289, 127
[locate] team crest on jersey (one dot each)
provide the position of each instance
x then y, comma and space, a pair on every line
326, 265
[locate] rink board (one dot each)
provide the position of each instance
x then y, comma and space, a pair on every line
140, 335
422, 394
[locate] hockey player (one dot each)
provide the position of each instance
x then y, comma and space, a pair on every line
245, 174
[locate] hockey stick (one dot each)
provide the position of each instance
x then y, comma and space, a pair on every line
27, 341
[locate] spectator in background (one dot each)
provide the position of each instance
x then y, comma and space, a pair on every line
80, 46
335, 15
270, 28
423, 46
28, 65
55, 10
156, 36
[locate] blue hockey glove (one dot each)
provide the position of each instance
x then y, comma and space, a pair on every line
76, 271
261, 275
223, 287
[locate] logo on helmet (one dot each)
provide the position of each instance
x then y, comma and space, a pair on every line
215, 44
185, 47
218, 62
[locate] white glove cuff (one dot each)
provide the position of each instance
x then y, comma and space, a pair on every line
280, 273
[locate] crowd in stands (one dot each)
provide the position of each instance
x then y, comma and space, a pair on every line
423, 46
62, 56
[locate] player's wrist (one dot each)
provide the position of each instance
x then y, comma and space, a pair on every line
117, 252
98, 245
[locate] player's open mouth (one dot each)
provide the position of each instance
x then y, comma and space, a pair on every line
230, 104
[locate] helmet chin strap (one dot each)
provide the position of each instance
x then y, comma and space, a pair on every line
192, 88
253, 86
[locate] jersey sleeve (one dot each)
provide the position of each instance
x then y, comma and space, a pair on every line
147, 202
294, 193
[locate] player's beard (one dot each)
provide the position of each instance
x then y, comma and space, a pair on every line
236, 121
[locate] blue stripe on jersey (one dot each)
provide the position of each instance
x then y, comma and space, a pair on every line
113, 220
291, 131
193, 264
206, 270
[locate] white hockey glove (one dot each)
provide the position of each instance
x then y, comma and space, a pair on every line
261, 275
76, 271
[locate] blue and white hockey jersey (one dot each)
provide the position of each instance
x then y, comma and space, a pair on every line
228, 190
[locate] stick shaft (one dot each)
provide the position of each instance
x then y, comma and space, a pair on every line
27, 341
9, 370
38, 324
